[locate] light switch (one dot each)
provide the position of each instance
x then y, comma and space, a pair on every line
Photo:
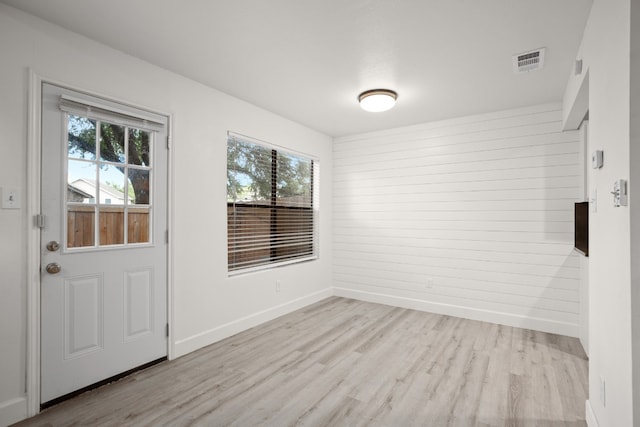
10, 198
597, 159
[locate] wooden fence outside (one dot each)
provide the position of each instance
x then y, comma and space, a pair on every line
81, 225
249, 226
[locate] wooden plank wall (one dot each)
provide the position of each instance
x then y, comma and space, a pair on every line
472, 216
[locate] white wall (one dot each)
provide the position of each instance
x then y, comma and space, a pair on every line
207, 305
481, 205
606, 54
584, 261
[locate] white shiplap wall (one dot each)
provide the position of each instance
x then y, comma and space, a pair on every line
471, 217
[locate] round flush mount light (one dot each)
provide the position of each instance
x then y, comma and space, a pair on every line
377, 100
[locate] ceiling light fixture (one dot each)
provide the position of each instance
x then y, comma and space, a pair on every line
377, 100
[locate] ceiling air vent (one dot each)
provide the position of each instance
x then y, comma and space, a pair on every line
528, 61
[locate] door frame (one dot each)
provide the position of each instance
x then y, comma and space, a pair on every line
34, 192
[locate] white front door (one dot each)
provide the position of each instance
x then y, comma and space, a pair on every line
104, 202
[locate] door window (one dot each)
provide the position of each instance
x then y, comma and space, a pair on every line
108, 178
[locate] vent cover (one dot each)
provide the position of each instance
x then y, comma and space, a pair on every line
528, 61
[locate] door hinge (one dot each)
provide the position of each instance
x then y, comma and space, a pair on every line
39, 221
166, 330
168, 142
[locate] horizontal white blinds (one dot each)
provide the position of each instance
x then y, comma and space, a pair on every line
87, 108
270, 205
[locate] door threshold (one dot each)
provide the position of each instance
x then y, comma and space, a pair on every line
93, 386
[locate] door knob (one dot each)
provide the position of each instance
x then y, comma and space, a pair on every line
53, 246
53, 268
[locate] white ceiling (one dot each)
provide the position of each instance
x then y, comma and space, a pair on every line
308, 60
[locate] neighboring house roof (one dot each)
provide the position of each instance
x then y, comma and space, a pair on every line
88, 186
78, 191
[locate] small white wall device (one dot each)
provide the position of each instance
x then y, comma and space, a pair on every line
10, 198
597, 159
619, 193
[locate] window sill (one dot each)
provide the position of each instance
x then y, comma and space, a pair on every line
263, 267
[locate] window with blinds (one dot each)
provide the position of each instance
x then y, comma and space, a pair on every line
271, 205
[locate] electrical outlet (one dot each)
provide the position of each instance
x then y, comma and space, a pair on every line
429, 284
10, 198
619, 192
603, 392
277, 285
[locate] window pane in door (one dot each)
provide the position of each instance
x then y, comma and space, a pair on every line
138, 222
138, 184
81, 181
139, 147
81, 138
111, 225
112, 185
112, 143
80, 225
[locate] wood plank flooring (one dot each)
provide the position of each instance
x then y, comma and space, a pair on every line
342, 362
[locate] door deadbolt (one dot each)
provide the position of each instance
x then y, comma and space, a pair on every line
53, 246
53, 268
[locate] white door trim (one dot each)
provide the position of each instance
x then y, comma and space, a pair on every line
33, 244
34, 145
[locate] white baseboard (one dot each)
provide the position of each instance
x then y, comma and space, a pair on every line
543, 325
12, 411
211, 336
589, 415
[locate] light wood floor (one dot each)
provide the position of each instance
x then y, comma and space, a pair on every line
342, 362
